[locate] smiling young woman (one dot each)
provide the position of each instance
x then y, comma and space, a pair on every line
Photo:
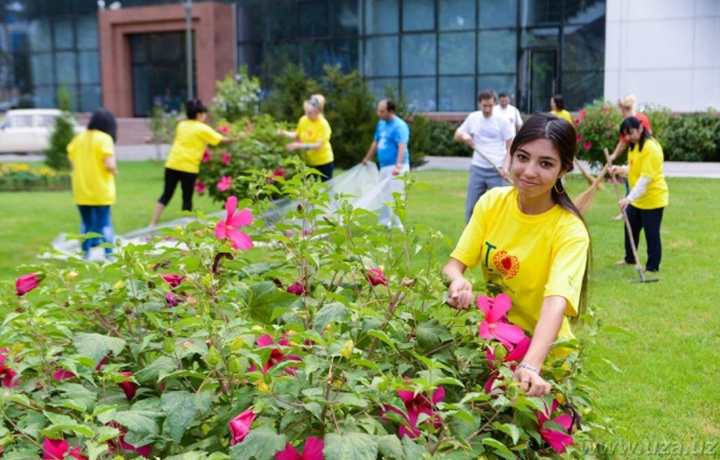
531, 242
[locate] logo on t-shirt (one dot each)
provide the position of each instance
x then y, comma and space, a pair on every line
309, 133
506, 264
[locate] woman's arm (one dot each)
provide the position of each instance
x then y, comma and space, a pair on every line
110, 164
460, 293
619, 148
290, 134
304, 146
544, 335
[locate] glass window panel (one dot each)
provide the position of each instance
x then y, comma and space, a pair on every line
314, 19
89, 98
418, 15
540, 12
347, 54
457, 14
495, 13
40, 39
547, 37
583, 12
457, 94
381, 16
139, 48
44, 96
420, 94
63, 34
584, 46
497, 51
381, 57
249, 23
42, 69
66, 64
281, 21
582, 88
167, 46
89, 67
498, 83
383, 87
314, 55
346, 17
251, 56
87, 32
457, 53
418, 54
280, 56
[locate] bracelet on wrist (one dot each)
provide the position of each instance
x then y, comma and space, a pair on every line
307, 146
528, 367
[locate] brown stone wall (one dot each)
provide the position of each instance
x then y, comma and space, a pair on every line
214, 28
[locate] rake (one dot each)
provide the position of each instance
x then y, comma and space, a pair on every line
586, 174
497, 168
585, 199
628, 229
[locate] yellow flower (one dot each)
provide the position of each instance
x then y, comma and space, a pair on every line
262, 387
119, 285
72, 275
349, 347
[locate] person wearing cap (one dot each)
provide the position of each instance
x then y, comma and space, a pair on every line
311, 138
183, 162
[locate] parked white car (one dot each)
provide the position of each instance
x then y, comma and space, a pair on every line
29, 130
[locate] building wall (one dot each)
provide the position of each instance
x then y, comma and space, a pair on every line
666, 52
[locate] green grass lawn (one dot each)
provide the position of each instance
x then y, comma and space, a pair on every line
666, 390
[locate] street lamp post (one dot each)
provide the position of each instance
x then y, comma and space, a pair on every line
188, 47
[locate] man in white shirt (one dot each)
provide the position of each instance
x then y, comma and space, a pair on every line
509, 111
490, 135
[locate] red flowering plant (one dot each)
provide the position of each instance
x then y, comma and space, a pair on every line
598, 128
202, 349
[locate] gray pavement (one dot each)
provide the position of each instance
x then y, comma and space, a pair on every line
151, 152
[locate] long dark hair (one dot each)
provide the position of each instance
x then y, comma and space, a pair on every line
563, 137
635, 123
103, 120
559, 101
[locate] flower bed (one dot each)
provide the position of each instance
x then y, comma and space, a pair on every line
18, 177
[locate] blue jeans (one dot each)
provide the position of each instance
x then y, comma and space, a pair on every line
96, 219
648, 220
480, 181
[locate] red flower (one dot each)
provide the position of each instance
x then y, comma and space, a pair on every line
276, 355
275, 173
225, 129
62, 374
557, 439
6, 374
240, 426
128, 386
225, 158
514, 356
206, 156
200, 187
416, 404
173, 280
297, 288
142, 450
228, 228
579, 137
55, 449
171, 299
224, 183
495, 324
313, 451
582, 113
587, 145
27, 283
376, 276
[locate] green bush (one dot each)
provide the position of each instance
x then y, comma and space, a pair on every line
290, 89
597, 128
443, 143
236, 96
56, 156
162, 127
693, 137
341, 337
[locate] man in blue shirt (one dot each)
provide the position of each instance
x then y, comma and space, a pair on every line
391, 144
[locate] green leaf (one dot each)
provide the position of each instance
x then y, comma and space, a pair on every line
261, 443
509, 429
412, 450
382, 336
75, 397
390, 447
500, 449
158, 369
60, 422
182, 408
143, 428
266, 297
331, 312
97, 346
350, 446
95, 450
431, 333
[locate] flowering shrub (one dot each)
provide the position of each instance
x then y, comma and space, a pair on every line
22, 177
236, 97
296, 347
597, 127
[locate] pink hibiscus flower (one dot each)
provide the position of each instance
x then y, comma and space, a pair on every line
225, 129
513, 356
240, 426
225, 158
376, 276
27, 283
416, 404
582, 113
200, 187
297, 288
128, 386
275, 173
224, 183
276, 355
62, 374
55, 449
495, 324
7, 375
587, 145
228, 228
313, 451
173, 280
206, 156
144, 451
557, 439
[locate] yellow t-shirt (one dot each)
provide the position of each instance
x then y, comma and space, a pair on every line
309, 132
563, 114
648, 162
529, 256
191, 138
92, 183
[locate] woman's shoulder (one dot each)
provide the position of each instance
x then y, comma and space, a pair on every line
571, 226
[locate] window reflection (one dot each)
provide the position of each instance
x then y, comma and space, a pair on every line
499, 14
381, 56
457, 14
418, 15
457, 53
420, 94
497, 51
381, 16
418, 54
457, 94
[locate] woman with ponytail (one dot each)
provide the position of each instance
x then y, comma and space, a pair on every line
531, 242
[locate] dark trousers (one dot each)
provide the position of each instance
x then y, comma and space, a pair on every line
96, 219
187, 183
649, 221
326, 171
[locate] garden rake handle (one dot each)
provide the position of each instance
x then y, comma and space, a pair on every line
628, 228
497, 168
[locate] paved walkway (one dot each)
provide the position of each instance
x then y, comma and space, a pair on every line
151, 152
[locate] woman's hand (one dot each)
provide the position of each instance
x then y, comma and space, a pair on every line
292, 146
532, 383
617, 170
624, 202
460, 293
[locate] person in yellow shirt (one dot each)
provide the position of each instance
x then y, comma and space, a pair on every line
531, 242
312, 138
92, 157
557, 107
648, 196
183, 162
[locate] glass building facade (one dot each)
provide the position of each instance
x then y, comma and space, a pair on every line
437, 53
